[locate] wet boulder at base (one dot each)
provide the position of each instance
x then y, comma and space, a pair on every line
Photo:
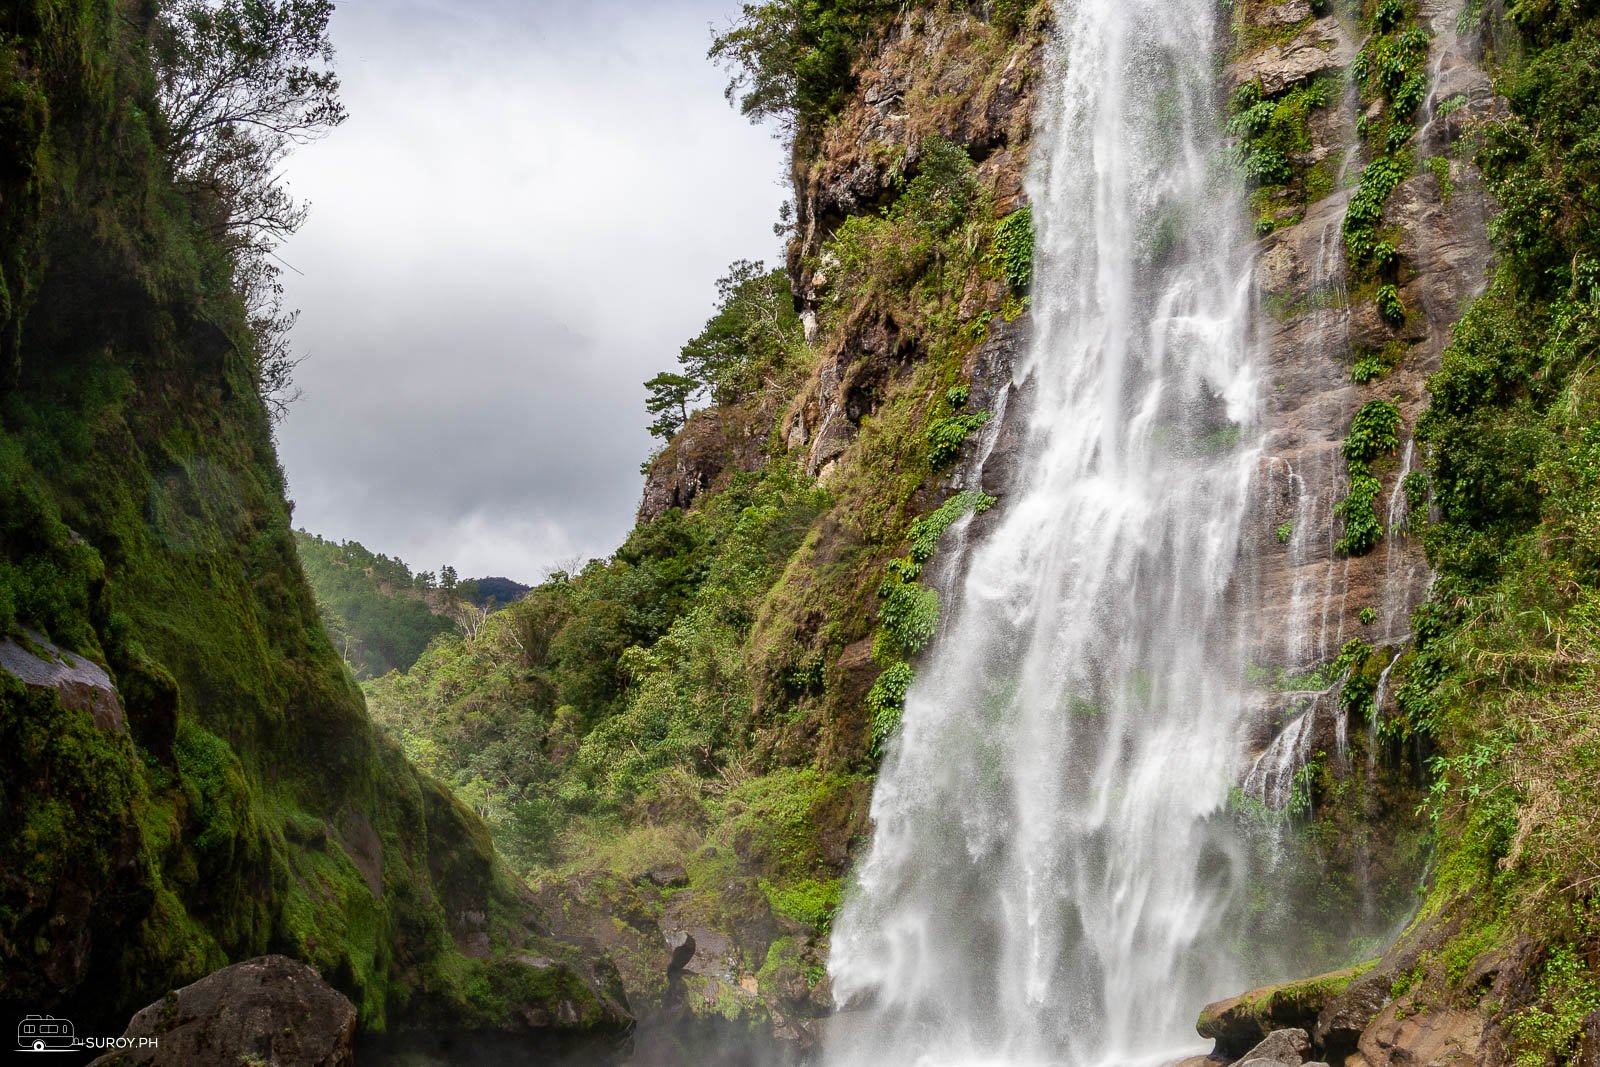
267, 1010
1291, 1047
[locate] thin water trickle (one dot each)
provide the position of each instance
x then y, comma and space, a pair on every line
1050, 879
1375, 716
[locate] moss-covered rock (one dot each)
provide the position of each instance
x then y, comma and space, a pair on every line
1239, 1023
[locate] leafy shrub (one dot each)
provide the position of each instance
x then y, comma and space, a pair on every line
1389, 305
926, 532
1388, 15
886, 700
946, 435
1359, 512
1569, 994
1399, 133
1274, 131
909, 614
1013, 248
1365, 213
1408, 97
1369, 368
1374, 432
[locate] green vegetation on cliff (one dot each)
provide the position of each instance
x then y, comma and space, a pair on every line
249, 806
1503, 682
706, 696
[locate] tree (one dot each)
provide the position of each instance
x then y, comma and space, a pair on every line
752, 332
241, 82
669, 399
447, 578
792, 59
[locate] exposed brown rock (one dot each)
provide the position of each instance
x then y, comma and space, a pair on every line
1291, 1046
1286, 14
1323, 45
931, 76
1446, 1038
850, 382
714, 442
1342, 1021
1589, 1051
1307, 598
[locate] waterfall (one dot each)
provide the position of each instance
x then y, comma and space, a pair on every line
1052, 869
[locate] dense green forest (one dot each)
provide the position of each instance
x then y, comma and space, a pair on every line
375, 610
379, 615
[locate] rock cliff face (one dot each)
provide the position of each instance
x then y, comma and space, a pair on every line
1334, 565
1317, 324
883, 357
937, 74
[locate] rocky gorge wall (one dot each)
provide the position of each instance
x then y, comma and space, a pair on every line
1337, 332
945, 93
1336, 564
1318, 324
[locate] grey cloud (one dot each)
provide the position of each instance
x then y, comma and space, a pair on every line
522, 221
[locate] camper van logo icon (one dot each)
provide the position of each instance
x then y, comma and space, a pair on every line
46, 1033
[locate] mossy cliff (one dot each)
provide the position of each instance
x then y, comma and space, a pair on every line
206, 785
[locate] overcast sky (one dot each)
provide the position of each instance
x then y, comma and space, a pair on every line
522, 220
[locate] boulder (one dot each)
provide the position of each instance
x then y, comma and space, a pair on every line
1285, 14
1342, 1020
271, 1010
1426, 1039
1241, 1024
664, 876
79, 684
1323, 45
1291, 1046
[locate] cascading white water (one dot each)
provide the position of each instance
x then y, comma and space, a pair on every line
1050, 874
